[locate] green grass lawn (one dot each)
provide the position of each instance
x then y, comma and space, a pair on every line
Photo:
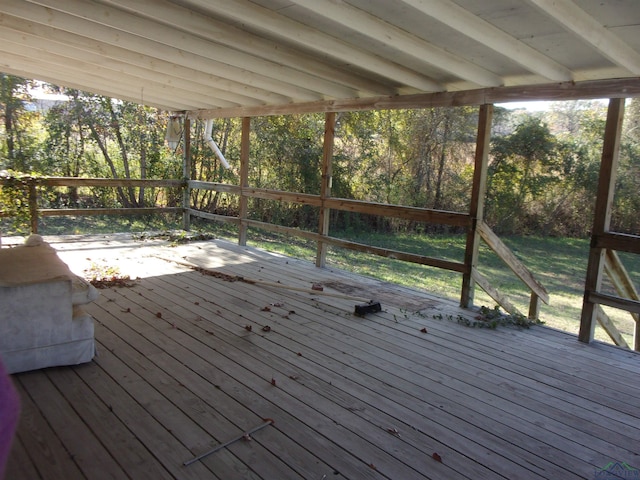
558, 263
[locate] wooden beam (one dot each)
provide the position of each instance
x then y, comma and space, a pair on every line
325, 186
618, 241
593, 89
602, 216
106, 182
498, 40
23, 67
244, 179
76, 57
625, 288
94, 29
493, 292
215, 186
147, 59
222, 32
186, 173
476, 207
609, 327
79, 212
615, 302
512, 261
410, 213
282, 27
129, 28
375, 28
592, 32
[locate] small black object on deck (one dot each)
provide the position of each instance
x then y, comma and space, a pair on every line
369, 307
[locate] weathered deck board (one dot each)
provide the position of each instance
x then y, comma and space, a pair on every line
373, 397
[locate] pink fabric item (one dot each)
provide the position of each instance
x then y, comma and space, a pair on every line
9, 415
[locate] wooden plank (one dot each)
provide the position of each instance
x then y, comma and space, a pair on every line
609, 327
476, 205
375, 364
79, 212
19, 464
325, 186
200, 424
213, 216
107, 182
516, 266
126, 449
397, 211
558, 91
245, 144
615, 302
624, 286
37, 435
602, 214
78, 440
273, 364
187, 166
214, 186
282, 196
292, 417
618, 241
397, 255
490, 290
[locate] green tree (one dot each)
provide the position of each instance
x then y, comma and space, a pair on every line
525, 164
19, 143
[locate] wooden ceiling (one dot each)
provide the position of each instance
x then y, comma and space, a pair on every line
225, 57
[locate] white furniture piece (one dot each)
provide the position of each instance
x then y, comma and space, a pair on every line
42, 323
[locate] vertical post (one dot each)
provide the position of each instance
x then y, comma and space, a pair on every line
33, 204
476, 208
186, 174
244, 179
325, 187
602, 215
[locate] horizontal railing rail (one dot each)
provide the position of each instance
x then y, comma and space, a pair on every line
415, 214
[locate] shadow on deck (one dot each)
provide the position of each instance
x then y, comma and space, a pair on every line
188, 361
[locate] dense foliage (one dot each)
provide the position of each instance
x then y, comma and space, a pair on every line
542, 179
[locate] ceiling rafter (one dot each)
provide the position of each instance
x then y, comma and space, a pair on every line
483, 32
129, 83
59, 75
590, 30
216, 31
401, 40
32, 34
282, 27
76, 58
165, 35
71, 24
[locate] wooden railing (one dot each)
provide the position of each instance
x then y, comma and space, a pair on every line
627, 299
415, 214
31, 185
537, 291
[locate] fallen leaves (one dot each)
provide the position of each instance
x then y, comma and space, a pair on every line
423, 330
436, 457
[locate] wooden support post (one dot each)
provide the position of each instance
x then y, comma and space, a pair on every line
602, 215
33, 205
325, 188
244, 179
476, 209
186, 174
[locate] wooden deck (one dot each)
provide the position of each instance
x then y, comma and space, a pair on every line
179, 372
